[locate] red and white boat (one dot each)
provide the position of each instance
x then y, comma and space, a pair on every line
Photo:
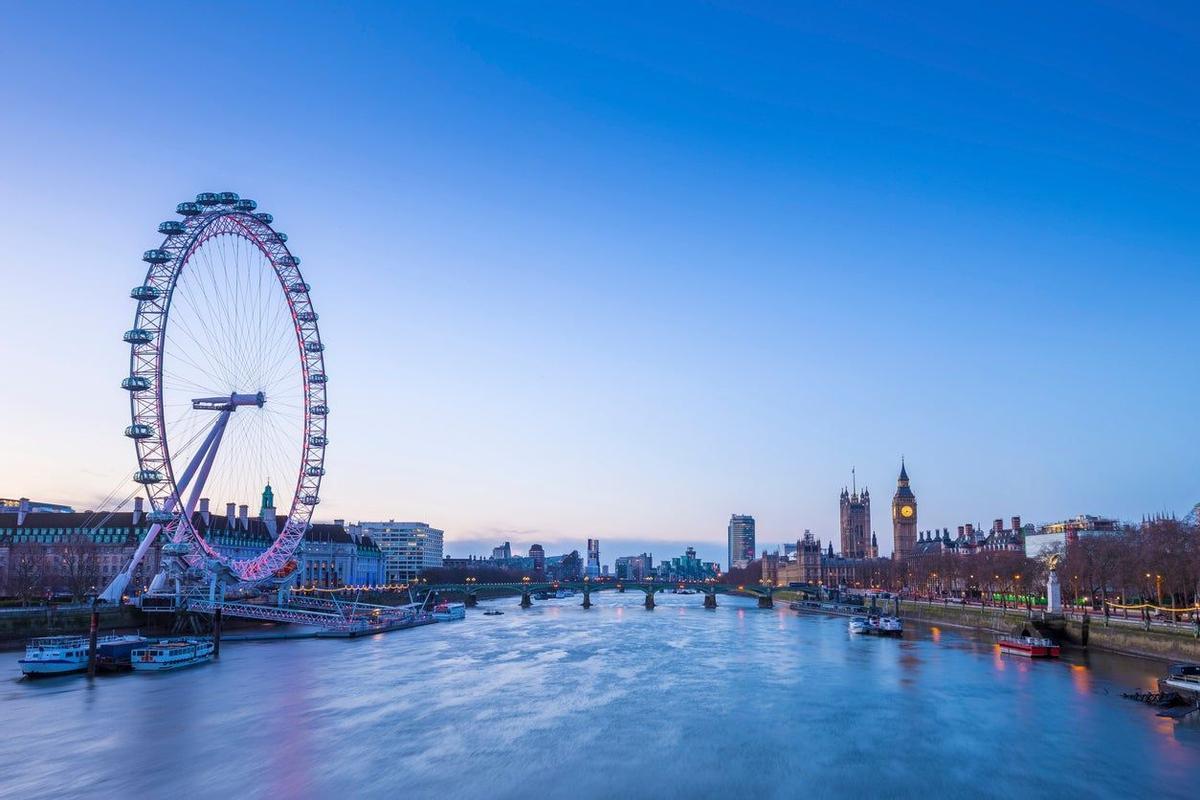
1029, 646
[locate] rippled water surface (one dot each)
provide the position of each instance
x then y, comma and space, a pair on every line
558, 702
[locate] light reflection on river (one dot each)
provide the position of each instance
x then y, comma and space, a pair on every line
559, 702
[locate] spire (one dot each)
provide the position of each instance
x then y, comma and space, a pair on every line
903, 474
854, 482
268, 496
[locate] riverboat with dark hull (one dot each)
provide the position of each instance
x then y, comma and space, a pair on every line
1183, 680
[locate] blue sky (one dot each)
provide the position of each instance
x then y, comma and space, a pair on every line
622, 271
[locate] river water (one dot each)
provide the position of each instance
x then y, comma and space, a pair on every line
616, 701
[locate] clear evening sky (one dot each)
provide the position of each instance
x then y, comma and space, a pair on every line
623, 270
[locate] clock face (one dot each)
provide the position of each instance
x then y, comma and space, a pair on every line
906, 511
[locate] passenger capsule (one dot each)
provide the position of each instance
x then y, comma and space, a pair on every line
160, 517
314, 347
289, 261
156, 256
144, 292
172, 227
307, 316
319, 410
264, 217
188, 209
245, 204
310, 499
299, 287
139, 430
281, 236
227, 198
135, 383
146, 476
315, 472
318, 377
138, 336
318, 441
207, 199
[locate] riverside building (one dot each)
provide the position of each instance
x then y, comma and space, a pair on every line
407, 547
741, 540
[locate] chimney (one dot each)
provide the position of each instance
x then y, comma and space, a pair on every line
138, 510
341, 523
244, 517
961, 530
1016, 522
22, 510
970, 530
204, 513
997, 526
230, 515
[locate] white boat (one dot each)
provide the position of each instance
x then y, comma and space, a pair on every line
890, 626
171, 654
64, 655
859, 625
446, 612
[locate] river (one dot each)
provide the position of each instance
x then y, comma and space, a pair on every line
615, 701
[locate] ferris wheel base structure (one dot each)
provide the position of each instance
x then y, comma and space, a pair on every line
243, 327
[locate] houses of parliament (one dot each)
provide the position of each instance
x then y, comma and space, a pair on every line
859, 561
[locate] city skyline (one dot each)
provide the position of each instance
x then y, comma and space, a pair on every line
612, 300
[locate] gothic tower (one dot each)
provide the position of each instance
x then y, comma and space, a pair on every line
904, 517
856, 522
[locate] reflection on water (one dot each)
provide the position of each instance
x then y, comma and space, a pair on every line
556, 701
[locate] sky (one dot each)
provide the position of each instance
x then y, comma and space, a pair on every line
622, 270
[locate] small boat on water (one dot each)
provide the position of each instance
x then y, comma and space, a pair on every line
1183, 679
859, 625
65, 655
493, 612
445, 612
1030, 646
171, 654
116, 652
890, 626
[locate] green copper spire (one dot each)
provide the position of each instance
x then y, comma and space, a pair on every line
268, 498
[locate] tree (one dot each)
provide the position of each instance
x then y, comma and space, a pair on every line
79, 566
27, 570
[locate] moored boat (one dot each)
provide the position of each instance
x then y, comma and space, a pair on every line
445, 612
1030, 646
66, 655
891, 626
1183, 679
171, 654
859, 625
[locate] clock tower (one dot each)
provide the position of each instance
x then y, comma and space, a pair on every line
904, 517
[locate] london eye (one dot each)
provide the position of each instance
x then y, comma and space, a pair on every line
226, 383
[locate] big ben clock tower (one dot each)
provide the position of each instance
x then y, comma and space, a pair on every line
904, 517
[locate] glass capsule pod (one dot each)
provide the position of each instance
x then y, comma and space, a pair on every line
156, 256
135, 383
315, 472
188, 209
319, 410
307, 316
264, 217
289, 261
299, 287
147, 476
227, 198
144, 292
138, 336
318, 441
245, 204
160, 517
281, 236
314, 347
208, 199
310, 499
139, 430
318, 377
171, 227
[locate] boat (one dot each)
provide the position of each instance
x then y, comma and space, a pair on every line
859, 625
66, 655
445, 612
891, 626
115, 653
1183, 679
1030, 646
493, 612
168, 654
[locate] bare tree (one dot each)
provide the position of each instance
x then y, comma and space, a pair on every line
27, 570
79, 566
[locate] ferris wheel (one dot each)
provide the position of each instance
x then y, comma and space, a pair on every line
226, 384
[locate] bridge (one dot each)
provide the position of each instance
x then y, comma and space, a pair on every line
528, 588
